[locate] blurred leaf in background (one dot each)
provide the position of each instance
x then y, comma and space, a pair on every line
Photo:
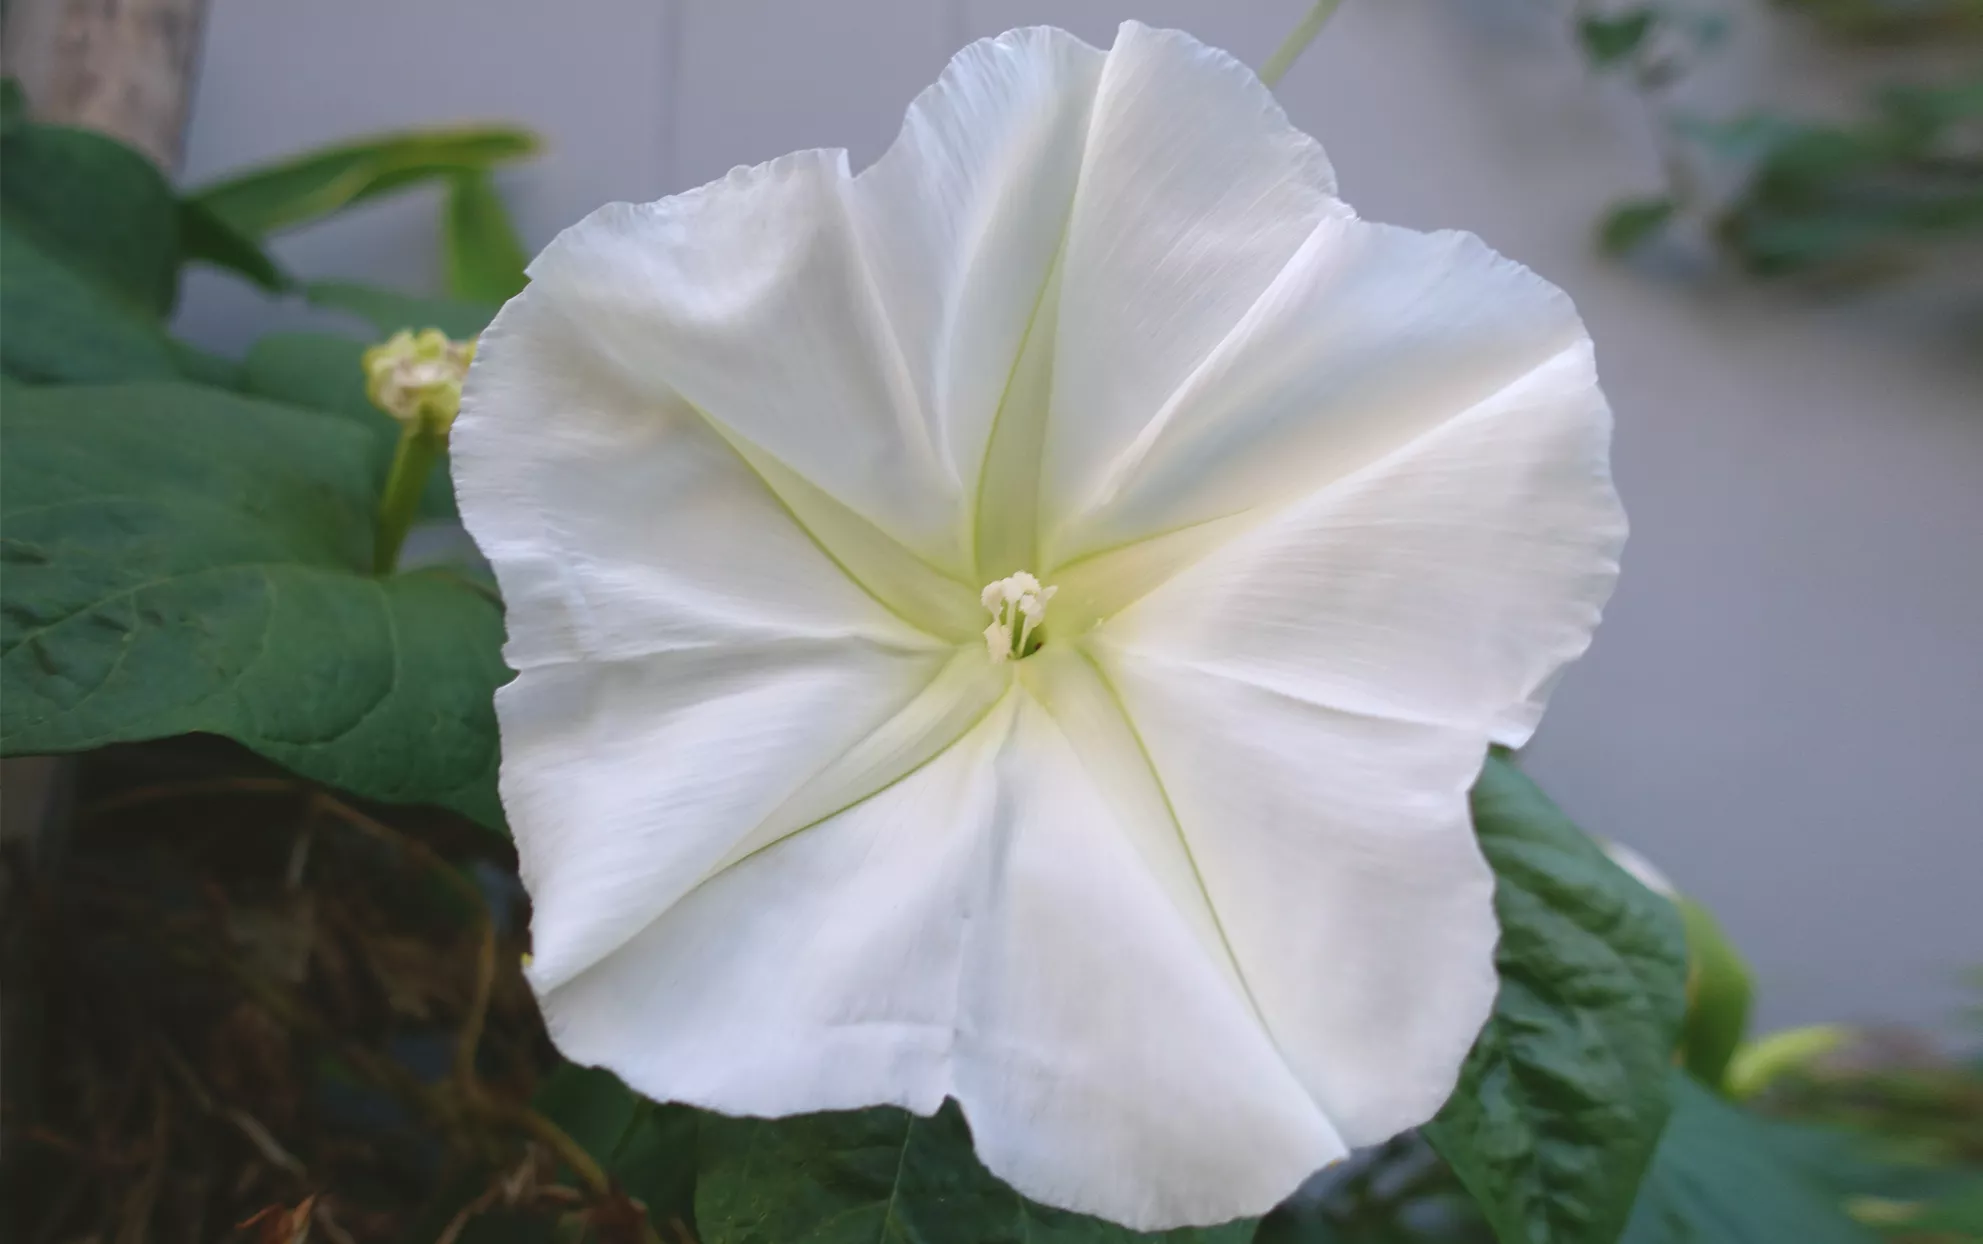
13, 106
1856, 199
1821, 196
484, 257
97, 206
388, 311
1895, 20
205, 235
89, 238
1611, 40
63, 327
308, 187
1628, 225
1721, 1176
323, 372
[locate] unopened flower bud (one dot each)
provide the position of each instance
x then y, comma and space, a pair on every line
416, 377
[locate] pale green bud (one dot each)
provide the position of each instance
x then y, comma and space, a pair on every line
416, 377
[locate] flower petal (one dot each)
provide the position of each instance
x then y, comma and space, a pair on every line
1368, 337
1446, 583
1339, 854
963, 219
983, 929
688, 656
857, 331
1194, 194
751, 298
1106, 1061
620, 525
819, 973
628, 782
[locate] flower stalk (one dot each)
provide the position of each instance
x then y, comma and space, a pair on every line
415, 378
1297, 41
419, 449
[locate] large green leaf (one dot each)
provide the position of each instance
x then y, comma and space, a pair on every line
1397, 1193
97, 206
389, 310
323, 372
313, 185
1560, 1105
648, 1148
1724, 1176
880, 1176
485, 259
181, 560
63, 327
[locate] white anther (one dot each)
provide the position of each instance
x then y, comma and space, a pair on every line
1016, 604
998, 642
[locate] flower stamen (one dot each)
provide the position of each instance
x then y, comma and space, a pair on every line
1016, 604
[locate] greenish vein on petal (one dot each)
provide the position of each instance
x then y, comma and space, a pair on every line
1005, 523
1077, 694
902, 582
962, 694
1098, 585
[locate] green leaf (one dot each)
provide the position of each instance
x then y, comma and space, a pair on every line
880, 1176
96, 205
1726, 1176
200, 367
182, 560
1925, 111
1560, 1104
323, 372
61, 327
1960, 1213
649, 1148
1400, 1192
13, 107
389, 311
485, 260
1627, 226
1754, 1066
317, 183
590, 1105
205, 236
1609, 40
1719, 990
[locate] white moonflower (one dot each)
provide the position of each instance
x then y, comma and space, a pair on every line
1278, 518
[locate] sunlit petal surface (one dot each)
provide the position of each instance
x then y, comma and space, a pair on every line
1019, 624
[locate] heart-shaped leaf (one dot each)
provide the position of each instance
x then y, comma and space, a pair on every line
181, 560
1560, 1105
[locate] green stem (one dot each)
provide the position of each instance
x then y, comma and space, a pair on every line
1297, 41
419, 448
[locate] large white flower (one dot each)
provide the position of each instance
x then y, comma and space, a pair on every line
1170, 882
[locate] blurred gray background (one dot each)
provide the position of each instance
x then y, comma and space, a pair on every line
1785, 705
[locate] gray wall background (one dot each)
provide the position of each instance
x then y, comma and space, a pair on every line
1785, 705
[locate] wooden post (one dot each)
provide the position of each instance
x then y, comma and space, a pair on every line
122, 67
